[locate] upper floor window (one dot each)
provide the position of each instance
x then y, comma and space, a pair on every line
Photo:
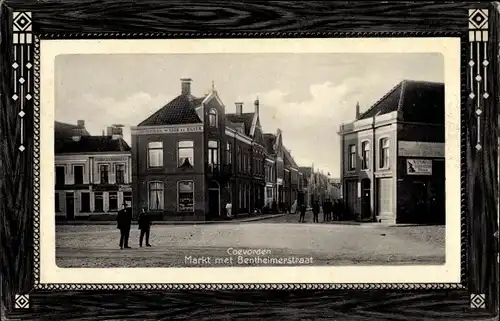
60, 175
212, 118
352, 157
213, 152
365, 150
120, 173
78, 174
185, 150
155, 154
104, 172
229, 156
384, 152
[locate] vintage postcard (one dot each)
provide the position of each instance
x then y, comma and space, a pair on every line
153, 151
275, 161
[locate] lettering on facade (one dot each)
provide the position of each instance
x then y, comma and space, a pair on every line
420, 149
419, 167
168, 130
111, 159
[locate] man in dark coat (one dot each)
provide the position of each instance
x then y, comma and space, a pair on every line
145, 226
124, 221
315, 210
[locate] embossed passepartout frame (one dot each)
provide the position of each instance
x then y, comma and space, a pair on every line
24, 25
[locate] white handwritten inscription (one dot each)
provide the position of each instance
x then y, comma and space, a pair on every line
420, 149
168, 130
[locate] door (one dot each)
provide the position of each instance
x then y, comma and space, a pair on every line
70, 206
213, 203
421, 201
366, 211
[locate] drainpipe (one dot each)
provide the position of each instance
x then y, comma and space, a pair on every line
374, 148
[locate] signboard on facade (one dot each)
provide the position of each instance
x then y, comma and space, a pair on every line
111, 159
420, 149
419, 167
124, 188
168, 130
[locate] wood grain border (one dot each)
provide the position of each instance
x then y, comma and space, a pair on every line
477, 298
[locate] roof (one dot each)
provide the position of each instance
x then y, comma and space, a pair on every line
180, 110
269, 140
305, 170
65, 130
245, 118
289, 159
418, 101
91, 144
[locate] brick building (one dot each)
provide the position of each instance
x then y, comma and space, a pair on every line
393, 167
192, 156
92, 173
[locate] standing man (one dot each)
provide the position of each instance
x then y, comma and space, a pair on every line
302, 213
124, 220
315, 209
145, 226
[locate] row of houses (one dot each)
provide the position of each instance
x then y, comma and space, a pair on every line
186, 162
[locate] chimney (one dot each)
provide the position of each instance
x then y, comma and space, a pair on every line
80, 123
109, 131
357, 111
256, 104
116, 132
186, 86
239, 108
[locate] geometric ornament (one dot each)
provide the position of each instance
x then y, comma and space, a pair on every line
478, 147
22, 21
477, 301
22, 301
478, 19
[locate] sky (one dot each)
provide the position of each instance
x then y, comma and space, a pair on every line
307, 96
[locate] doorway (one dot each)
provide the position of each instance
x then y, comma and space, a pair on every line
70, 205
213, 201
421, 201
366, 211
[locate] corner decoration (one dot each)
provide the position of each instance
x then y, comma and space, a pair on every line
478, 63
22, 43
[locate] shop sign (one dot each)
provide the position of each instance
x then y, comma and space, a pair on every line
168, 130
124, 188
420, 149
419, 167
111, 159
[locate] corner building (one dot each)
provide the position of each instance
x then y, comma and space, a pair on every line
393, 165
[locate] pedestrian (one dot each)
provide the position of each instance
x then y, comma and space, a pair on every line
325, 211
329, 209
274, 207
124, 221
229, 208
302, 213
315, 210
145, 227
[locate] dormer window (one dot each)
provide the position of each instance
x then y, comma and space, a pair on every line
212, 118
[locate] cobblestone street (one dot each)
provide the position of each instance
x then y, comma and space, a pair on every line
281, 237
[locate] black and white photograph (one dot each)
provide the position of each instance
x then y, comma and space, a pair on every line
249, 159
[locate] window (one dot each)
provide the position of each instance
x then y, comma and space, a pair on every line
185, 150
269, 192
57, 205
103, 170
352, 157
113, 201
185, 190
155, 154
238, 155
98, 202
365, 161
78, 174
60, 175
127, 198
156, 201
384, 152
229, 155
120, 173
249, 164
212, 118
213, 153
85, 202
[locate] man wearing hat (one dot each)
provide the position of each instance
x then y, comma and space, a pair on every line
124, 220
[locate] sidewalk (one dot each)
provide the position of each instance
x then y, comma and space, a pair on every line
244, 219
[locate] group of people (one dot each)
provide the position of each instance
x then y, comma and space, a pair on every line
124, 224
330, 211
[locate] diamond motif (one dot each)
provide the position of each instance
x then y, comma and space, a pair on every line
21, 301
478, 78
21, 148
477, 301
15, 97
485, 95
478, 112
22, 22
28, 97
472, 95
478, 18
15, 65
478, 147
21, 113
21, 80
29, 65
485, 63
471, 63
